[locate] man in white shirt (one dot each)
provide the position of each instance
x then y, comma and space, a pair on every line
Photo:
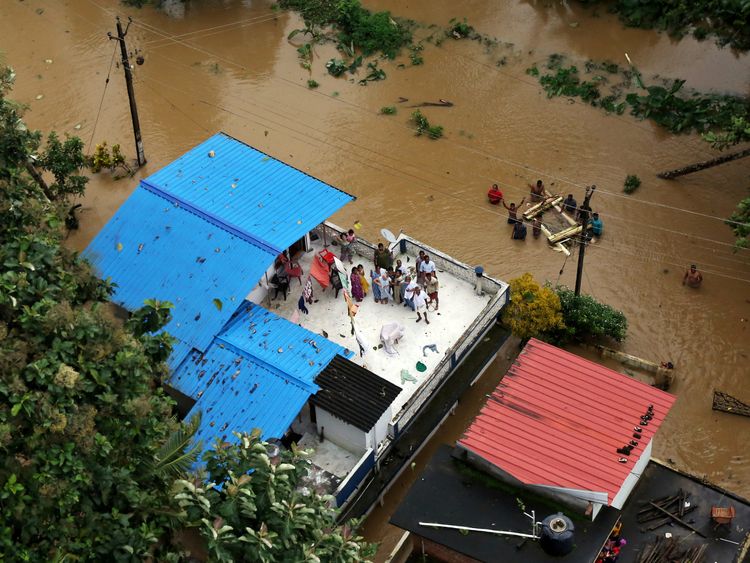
426, 266
419, 299
401, 268
409, 286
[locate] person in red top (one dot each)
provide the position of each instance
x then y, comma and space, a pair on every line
494, 195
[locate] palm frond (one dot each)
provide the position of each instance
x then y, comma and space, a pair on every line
178, 453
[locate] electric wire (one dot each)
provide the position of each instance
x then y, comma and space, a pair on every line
159, 32
396, 171
101, 101
201, 33
155, 30
402, 172
172, 104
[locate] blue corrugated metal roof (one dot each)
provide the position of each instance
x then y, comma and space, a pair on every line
244, 382
153, 249
249, 190
278, 342
234, 393
202, 231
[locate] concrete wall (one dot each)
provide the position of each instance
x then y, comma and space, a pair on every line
340, 433
632, 478
380, 430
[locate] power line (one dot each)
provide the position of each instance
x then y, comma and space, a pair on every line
155, 30
393, 171
159, 32
201, 33
101, 101
402, 172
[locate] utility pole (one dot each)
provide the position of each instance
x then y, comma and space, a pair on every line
140, 156
583, 217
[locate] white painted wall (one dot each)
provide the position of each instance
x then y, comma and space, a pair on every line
381, 428
632, 478
341, 433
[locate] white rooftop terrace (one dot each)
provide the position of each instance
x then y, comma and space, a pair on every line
459, 307
461, 315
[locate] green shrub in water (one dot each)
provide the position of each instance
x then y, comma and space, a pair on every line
388, 110
632, 183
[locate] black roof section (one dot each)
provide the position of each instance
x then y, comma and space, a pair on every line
450, 491
353, 393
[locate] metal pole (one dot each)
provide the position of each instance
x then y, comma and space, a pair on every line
583, 218
140, 156
484, 530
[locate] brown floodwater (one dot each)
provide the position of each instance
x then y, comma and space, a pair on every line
227, 65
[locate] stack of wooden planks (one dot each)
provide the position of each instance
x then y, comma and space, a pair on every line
669, 550
665, 510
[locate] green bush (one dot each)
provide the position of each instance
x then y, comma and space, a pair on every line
388, 110
632, 183
370, 32
585, 318
424, 127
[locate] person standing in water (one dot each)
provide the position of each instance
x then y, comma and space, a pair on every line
537, 191
692, 278
513, 211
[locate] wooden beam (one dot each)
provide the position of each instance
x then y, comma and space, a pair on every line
678, 520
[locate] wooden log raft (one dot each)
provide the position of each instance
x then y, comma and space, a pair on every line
565, 233
542, 206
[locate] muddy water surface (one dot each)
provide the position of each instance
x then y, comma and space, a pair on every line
228, 66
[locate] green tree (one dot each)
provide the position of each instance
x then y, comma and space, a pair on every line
64, 159
584, 317
255, 508
741, 223
533, 309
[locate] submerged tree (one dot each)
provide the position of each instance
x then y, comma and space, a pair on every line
533, 309
586, 318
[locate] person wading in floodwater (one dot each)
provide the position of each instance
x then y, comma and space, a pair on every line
512, 211
537, 191
692, 278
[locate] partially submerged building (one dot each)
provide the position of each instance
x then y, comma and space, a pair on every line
551, 441
207, 233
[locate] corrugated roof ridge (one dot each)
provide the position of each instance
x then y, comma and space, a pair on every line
550, 407
554, 449
228, 136
277, 334
216, 221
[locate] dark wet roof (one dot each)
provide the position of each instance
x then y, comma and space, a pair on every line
353, 393
659, 481
451, 492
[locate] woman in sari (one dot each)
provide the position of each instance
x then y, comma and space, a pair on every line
357, 292
363, 279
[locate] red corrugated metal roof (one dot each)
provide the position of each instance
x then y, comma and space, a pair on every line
557, 419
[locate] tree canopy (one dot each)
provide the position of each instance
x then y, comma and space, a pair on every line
533, 309
558, 315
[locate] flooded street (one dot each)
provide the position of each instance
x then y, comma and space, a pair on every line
228, 66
